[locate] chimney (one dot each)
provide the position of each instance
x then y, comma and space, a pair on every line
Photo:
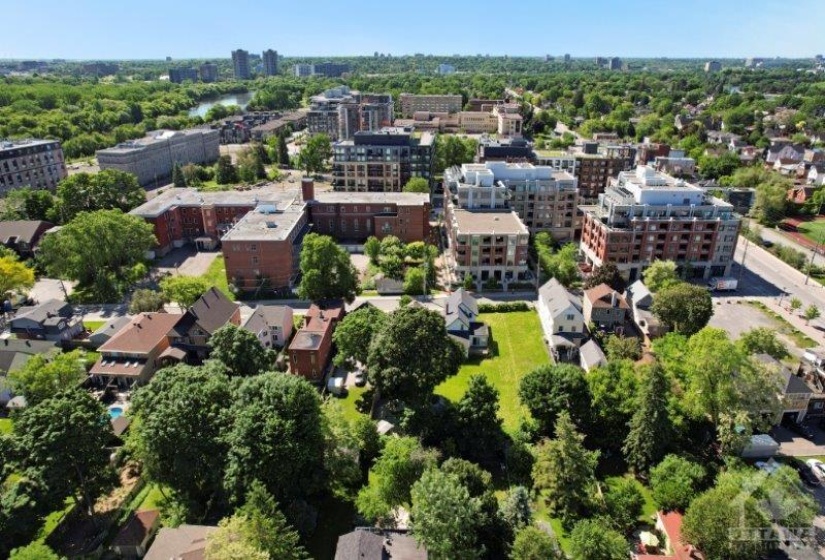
614, 299
307, 189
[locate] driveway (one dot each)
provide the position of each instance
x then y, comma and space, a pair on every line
793, 445
50, 288
186, 261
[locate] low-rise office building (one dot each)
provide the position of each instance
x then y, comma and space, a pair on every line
645, 215
38, 164
153, 157
382, 161
411, 103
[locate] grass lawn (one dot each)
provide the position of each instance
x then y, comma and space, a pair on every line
784, 327
93, 325
50, 524
5, 425
814, 231
216, 275
516, 348
152, 500
348, 403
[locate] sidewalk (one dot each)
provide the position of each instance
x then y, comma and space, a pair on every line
794, 319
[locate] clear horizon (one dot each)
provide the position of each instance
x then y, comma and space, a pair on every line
153, 30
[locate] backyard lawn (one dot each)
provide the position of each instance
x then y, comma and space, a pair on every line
5, 425
93, 325
516, 348
814, 230
216, 275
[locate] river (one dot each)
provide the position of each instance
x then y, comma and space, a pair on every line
240, 99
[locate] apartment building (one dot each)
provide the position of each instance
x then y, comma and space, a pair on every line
595, 171
270, 60
38, 164
645, 215
302, 70
180, 75
341, 112
506, 149
153, 157
411, 103
240, 64
382, 161
209, 72
509, 120
543, 198
330, 69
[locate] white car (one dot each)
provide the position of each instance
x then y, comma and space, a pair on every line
817, 467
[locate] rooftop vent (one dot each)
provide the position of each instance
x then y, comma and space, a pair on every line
267, 209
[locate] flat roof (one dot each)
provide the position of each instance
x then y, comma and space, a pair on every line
190, 197
488, 223
268, 222
400, 199
15, 144
154, 137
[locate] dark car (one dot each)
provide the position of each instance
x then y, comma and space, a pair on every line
805, 473
767, 244
798, 428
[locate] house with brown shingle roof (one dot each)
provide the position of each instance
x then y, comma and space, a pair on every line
137, 351
311, 347
209, 313
604, 307
133, 538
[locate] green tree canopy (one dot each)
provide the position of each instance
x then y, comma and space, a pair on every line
240, 351
534, 544
183, 290
145, 301
660, 274
762, 340
608, 274
417, 185
675, 482
326, 269
42, 377
108, 189
593, 540
683, 307
650, 426
225, 171
34, 551
316, 152
355, 333
550, 389
14, 275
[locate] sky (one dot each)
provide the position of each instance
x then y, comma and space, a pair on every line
154, 29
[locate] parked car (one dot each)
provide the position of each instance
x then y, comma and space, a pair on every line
798, 428
767, 244
805, 473
817, 467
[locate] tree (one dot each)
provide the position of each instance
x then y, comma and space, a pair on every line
534, 544
14, 275
372, 248
145, 301
614, 394
178, 180
182, 451
712, 362
623, 504
34, 551
593, 540
231, 541
109, 189
683, 307
516, 510
713, 167
326, 270
283, 151
402, 462
565, 470
796, 304
417, 185
770, 203
316, 152
650, 426
415, 281
623, 348
62, 440
42, 377
811, 312
675, 482
453, 150
478, 420
240, 351
444, 517
103, 251
608, 273
267, 528
762, 340
24, 503
251, 165
354, 334
550, 389
342, 450
225, 171
660, 274
184, 290
398, 367
276, 437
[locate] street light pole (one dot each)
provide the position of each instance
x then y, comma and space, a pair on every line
813, 256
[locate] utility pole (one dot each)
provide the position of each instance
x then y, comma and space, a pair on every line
813, 256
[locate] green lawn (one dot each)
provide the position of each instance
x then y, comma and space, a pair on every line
814, 230
5, 425
516, 348
216, 275
152, 500
348, 402
93, 325
52, 520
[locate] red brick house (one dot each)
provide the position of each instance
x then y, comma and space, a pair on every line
311, 348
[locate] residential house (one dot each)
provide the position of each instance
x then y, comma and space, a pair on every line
591, 356
271, 324
14, 353
816, 174
311, 348
605, 307
784, 153
209, 313
669, 524
560, 313
133, 538
461, 318
369, 544
793, 391
107, 330
185, 542
133, 355
51, 320
800, 194
23, 236
640, 300
811, 371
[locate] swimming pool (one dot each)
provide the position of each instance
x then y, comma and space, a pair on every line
115, 411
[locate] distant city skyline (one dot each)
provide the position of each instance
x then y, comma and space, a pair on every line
154, 29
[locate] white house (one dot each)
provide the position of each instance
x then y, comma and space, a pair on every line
561, 318
591, 356
272, 324
816, 175
461, 319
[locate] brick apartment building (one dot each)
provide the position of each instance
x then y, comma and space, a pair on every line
38, 164
340, 112
311, 348
382, 161
644, 216
411, 103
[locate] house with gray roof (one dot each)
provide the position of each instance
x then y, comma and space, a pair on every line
463, 326
271, 324
14, 353
186, 542
793, 391
209, 313
640, 299
107, 330
560, 313
23, 236
369, 544
51, 320
591, 356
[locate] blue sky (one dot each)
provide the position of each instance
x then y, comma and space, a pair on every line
116, 29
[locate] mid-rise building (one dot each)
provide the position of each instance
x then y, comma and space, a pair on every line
411, 103
509, 120
302, 70
382, 161
38, 164
180, 75
209, 72
615, 63
340, 112
596, 170
330, 69
506, 149
240, 64
713, 66
645, 215
544, 199
153, 157
270, 60
445, 69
